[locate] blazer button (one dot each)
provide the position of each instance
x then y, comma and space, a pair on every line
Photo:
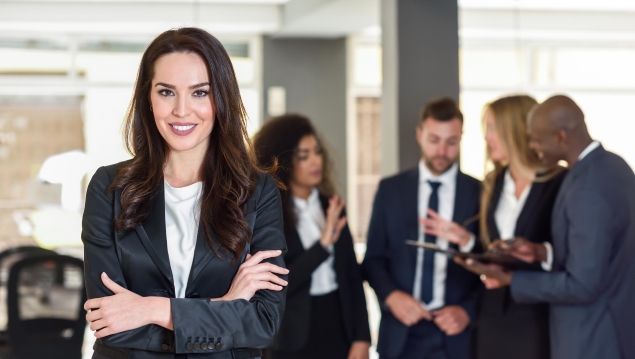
189, 346
204, 346
164, 346
218, 346
197, 346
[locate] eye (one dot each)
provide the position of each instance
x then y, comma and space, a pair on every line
166, 92
200, 93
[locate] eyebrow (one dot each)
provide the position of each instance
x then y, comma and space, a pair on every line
173, 87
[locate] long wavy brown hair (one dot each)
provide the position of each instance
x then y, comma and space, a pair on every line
229, 171
276, 144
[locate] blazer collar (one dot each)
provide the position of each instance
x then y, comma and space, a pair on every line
574, 172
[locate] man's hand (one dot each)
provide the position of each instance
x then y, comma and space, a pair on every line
522, 249
439, 227
406, 309
452, 320
493, 275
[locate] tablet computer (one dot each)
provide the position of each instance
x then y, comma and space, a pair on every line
506, 260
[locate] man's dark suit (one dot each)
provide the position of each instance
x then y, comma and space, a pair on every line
138, 260
294, 330
591, 289
390, 264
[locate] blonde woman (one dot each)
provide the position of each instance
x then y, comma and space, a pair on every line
518, 199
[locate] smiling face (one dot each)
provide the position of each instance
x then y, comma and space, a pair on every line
544, 139
182, 106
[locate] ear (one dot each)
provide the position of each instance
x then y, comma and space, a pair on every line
562, 137
419, 133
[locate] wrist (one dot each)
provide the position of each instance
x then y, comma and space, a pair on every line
160, 310
541, 253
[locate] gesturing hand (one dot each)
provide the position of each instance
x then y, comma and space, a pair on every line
122, 311
253, 276
406, 309
439, 227
334, 224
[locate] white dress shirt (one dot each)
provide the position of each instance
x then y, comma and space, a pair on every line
182, 213
547, 264
446, 193
311, 223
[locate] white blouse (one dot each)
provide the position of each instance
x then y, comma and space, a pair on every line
509, 207
311, 223
182, 213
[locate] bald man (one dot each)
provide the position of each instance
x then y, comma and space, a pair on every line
591, 284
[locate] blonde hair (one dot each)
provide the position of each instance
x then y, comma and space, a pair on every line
510, 119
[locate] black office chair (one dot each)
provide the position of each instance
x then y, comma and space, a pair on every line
46, 295
7, 258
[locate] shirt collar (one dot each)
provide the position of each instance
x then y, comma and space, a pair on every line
445, 178
593, 145
313, 199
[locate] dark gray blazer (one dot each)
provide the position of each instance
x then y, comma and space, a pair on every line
138, 260
591, 289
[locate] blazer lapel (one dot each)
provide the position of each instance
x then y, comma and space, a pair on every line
203, 254
153, 235
410, 199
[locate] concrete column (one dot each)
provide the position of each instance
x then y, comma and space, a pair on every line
312, 73
420, 62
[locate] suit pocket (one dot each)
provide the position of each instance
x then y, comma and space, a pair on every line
160, 293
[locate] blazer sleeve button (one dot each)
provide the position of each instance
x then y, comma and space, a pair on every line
165, 346
189, 346
204, 346
197, 346
218, 346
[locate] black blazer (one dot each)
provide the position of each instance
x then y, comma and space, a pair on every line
501, 319
390, 263
138, 260
294, 331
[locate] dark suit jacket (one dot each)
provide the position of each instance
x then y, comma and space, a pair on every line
504, 325
592, 285
138, 260
389, 263
294, 331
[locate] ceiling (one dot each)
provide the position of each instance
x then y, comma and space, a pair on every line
489, 21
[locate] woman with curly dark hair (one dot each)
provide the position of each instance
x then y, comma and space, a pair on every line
184, 242
326, 313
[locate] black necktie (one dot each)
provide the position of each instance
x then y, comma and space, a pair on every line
428, 256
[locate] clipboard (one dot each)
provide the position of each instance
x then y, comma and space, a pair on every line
505, 260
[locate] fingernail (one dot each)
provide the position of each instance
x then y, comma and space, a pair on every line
104, 273
469, 261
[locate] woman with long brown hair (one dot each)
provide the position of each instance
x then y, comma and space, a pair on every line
517, 201
326, 313
184, 242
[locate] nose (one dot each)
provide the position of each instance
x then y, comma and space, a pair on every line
181, 107
442, 150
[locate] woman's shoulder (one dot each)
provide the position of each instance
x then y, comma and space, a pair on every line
266, 187
106, 174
